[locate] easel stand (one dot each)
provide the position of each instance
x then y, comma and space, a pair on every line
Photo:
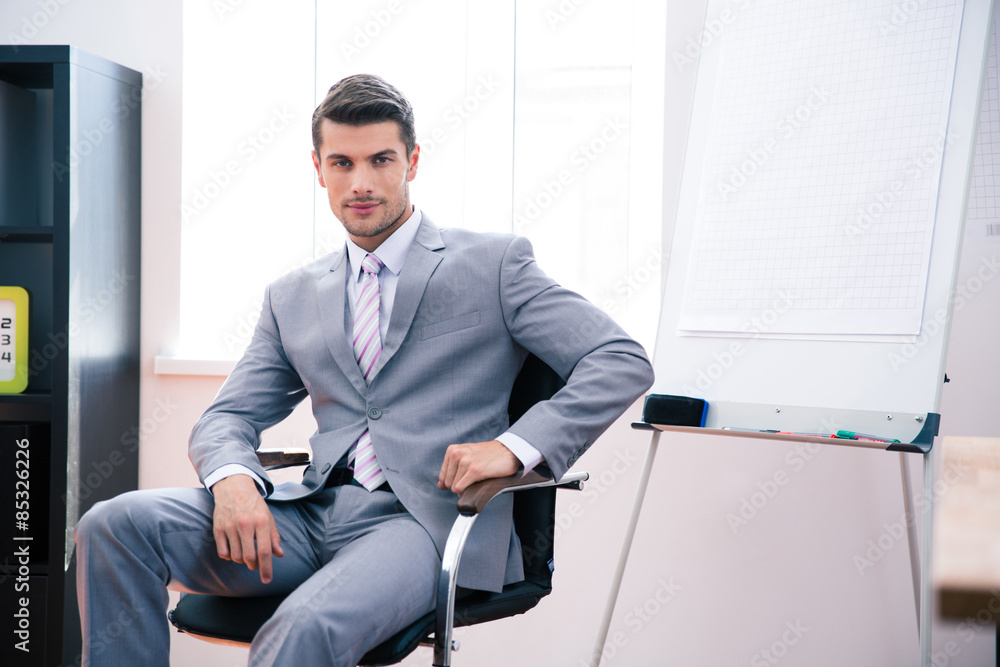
920, 560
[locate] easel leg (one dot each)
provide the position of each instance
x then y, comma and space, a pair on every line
925, 562
616, 583
911, 532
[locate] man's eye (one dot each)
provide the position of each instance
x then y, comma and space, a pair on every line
341, 163
382, 160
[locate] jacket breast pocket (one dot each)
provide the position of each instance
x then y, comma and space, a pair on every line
450, 325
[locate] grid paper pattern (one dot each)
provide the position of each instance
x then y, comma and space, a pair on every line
821, 171
983, 214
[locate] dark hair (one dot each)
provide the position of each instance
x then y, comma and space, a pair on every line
364, 99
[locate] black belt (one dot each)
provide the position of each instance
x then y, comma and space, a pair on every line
342, 476
339, 477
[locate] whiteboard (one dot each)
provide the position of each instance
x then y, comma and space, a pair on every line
767, 359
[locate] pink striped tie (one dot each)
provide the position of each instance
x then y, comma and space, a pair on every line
367, 349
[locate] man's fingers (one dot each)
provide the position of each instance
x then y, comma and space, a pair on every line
244, 527
458, 486
468, 477
264, 554
276, 543
246, 541
222, 543
449, 467
468, 463
235, 546
459, 469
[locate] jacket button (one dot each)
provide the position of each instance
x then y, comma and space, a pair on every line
325, 469
374, 413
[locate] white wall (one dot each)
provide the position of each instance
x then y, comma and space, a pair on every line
732, 595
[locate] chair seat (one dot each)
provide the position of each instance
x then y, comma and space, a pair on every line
227, 618
237, 620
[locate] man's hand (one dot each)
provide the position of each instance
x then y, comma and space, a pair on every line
473, 462
243, 526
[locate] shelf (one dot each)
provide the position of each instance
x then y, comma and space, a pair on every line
27, 407
68, 238
11, 233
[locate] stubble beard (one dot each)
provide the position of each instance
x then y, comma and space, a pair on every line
389, 217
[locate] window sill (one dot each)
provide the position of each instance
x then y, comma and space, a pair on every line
184, 366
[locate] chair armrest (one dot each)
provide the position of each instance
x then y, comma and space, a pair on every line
272, 459
474, 499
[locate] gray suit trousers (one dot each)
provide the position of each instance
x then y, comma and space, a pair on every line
360, 566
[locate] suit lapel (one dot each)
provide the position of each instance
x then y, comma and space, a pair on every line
333, 317
421, 261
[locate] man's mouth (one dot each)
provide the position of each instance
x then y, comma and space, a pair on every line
363, 207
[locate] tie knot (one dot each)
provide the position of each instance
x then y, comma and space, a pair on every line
371, 264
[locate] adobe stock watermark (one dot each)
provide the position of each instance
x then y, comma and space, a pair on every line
223, 8
637, 618
726, 359
915, 167
558, 14
253, 145
985, 619
92, 477
268, 645
779, 648
238, 339
103, 639
647, 270
456, 115
709, 35
365, 34
31, 26
893, 533
89, 140
900, 13
785, 129
965, 292
580, 161
89, 309
593, 490
754, 503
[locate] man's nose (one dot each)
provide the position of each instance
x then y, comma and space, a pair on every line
362, 181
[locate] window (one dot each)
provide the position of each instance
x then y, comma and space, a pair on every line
540, 118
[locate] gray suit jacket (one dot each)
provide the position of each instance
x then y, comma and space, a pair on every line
468, 308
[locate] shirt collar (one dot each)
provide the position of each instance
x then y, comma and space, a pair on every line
392, 253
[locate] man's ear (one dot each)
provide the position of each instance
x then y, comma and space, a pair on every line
411, 172
319, 171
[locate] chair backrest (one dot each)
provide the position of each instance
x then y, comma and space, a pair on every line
534, 510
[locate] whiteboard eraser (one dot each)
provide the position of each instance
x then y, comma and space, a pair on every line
674, 410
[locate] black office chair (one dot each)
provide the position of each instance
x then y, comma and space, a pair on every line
235, 621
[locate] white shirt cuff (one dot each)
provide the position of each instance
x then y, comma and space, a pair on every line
231, 469
522, 449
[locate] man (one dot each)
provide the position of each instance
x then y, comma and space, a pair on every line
408, 342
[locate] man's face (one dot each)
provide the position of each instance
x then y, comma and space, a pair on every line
366, 173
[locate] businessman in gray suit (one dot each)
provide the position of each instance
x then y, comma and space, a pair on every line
407, 342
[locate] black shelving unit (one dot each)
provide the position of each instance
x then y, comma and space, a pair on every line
70, 235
